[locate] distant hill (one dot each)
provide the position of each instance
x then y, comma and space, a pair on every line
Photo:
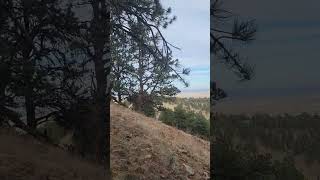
195, 94
270, 100
195, 104
269, 104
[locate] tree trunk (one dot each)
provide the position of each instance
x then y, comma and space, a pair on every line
119, 93
28, 71
101, 39
140, 79
5, 79
30, 109
28, 92
119, 97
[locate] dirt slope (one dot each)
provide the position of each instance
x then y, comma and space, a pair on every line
23, 158
146, 148
142, 148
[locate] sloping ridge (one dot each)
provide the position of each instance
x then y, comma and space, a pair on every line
146, 148
142, 148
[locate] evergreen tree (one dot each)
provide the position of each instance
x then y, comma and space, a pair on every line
34, 35
151, 74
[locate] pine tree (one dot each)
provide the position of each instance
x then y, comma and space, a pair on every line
33, 36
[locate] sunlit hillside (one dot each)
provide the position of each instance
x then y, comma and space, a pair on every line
195, 104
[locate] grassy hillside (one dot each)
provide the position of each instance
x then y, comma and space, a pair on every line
198, 105
149, 149
23, 158
141, 148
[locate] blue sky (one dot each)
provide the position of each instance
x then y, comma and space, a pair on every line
190, 32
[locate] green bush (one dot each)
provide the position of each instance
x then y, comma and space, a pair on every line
194, 123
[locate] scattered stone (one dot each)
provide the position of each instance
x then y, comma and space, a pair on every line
206, 175
183, 151
189, 170
128, 136
148, 156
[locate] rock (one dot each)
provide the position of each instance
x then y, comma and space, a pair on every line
163, 176
206, 175
189, 170
183, 151
148, 156
129, 136
172, 161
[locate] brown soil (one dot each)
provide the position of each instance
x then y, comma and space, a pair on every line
23, 158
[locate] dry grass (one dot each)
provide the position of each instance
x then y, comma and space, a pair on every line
150, 149
23, 158
194, 94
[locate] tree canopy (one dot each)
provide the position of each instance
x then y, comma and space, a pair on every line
56, 62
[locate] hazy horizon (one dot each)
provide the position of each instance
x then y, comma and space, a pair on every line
195, 94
